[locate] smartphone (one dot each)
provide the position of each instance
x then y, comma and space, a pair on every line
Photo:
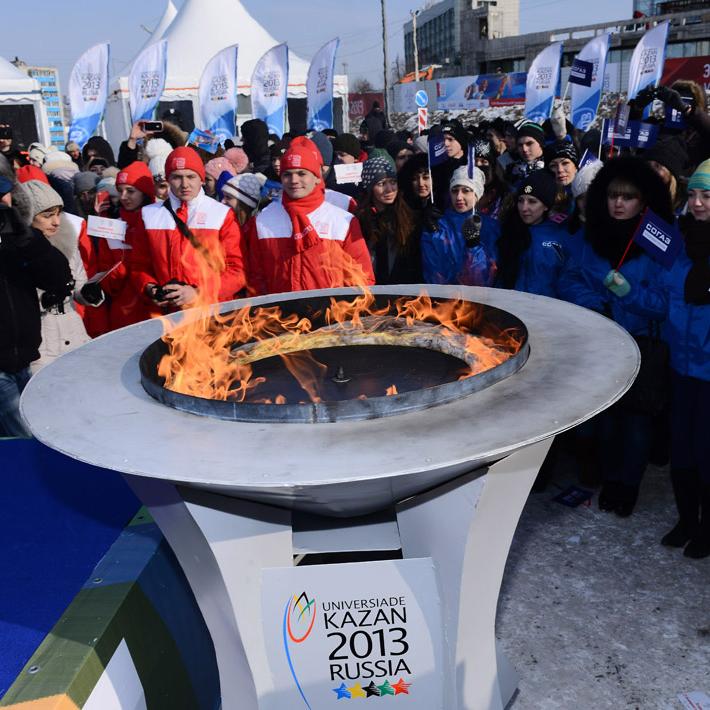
6, 132
102, 202
152, 126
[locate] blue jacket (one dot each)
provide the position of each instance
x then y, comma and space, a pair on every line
541, 265
447, 260
582, 283
687, 325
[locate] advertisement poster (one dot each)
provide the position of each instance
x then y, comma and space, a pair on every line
467, 92
338, 633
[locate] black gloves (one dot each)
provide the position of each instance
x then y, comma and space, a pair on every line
472, 230
14, 233
92, 293
55, 299
671, 98
645, 96
431, 216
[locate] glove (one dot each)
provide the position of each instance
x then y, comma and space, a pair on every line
671, 98
471, 229
645, 96
617, 284
559, 123
92, 293
431, 217
14, 233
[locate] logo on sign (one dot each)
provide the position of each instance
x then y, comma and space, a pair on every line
271, 84
649, 58
656, 237
90, 86
322, 82
421, 99
219, 88
543, 78
150, 82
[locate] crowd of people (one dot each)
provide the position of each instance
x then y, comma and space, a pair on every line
267, 214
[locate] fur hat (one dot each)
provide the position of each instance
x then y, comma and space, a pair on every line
540, 184
85, 181
184, 158
139, 176
560, 149
302, 153
583, 179
238, 158
477, 184
374, 170
244, 187
42, 197
347, 143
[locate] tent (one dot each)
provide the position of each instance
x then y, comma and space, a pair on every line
200, 29
21, 105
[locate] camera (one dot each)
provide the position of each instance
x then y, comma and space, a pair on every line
160, 294
152, 126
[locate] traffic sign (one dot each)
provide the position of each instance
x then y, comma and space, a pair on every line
421, 98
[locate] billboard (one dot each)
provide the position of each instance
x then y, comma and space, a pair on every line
481, 91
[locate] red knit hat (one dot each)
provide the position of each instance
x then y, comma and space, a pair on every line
138, 175
302, 153
31, 172
184, 158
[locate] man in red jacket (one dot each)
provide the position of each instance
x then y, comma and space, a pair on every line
189, 249
305, 242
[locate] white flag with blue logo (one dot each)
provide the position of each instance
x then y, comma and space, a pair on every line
218, 94
585, 99
269, 85
88, 91
319, 87
147, 80
647, 61
542, 81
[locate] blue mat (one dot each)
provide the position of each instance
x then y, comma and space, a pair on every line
58, 518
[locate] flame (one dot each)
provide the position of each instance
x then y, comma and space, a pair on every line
212, 355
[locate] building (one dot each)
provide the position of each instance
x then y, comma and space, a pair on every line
48, 78
666, 7
440, 30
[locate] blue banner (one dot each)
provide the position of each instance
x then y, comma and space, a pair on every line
218, 94
637, 134
587, 159
541, 86
585, 98
675, 119
659, 239
480, 91
646, 66
581, 72
319, 87
88, 92
204, 140
147, 81
437, 149
269, 84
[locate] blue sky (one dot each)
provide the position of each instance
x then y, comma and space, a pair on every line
47, 32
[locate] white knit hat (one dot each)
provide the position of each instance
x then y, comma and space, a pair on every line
583, 179
42, 197
37, 152
460, 177
56, 159
245, 187
157, 150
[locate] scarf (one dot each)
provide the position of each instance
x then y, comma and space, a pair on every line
697, 247
304, 235
611, 240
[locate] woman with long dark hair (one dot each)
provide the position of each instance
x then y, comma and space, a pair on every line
389, 226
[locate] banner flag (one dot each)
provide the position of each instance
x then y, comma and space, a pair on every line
637, 135
88, 92
585, 97
543, 77
319, 87
581, 72
621, 120
204, 140
587, 159
659, 239
646, 65
471, 161
218, 94
269, 84
437, 149
147, 80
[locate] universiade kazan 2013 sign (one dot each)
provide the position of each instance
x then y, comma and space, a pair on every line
346, 632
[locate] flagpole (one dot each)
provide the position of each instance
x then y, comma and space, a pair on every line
628, 246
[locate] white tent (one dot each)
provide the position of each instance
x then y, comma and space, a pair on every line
198, 31
16, 89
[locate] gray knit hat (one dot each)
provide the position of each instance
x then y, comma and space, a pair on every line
477, 184
42, 197
245, 187
85, 181
374, 170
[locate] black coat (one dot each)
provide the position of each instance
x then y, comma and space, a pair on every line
22, 272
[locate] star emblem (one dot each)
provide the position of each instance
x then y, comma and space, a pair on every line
342, 692
386, 689
357, 691
401, 687
372, 689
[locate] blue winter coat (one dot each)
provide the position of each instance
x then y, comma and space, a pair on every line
447, 260
582, 283
541, 265
687, 325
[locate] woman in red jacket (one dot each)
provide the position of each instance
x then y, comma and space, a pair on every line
136, 187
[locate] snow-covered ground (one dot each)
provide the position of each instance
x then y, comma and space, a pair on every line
595, 614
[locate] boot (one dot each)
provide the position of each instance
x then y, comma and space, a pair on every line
685, 490
627, 497
589, 470
699, 545
609, 496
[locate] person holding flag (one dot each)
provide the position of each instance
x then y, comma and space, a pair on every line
615, 203
460, 246
681, 295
